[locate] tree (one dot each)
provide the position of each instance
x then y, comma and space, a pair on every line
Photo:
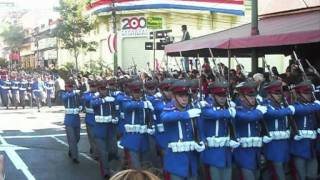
13, 37
73, 27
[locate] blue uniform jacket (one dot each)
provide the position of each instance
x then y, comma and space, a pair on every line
85, 101
178, 163
71, 100
15, 87
5, 87
214, 123
23, 86
276, 119
160, 137
121, 97
134, 141
101, 130
246, 121
305, 119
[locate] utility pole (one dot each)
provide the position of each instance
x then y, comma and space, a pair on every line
114, 30
254, 32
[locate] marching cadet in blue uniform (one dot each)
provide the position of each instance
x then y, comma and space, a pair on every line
23, 91
89, 118
71, 99
103, 120
115, 113
180, 157
215, 133
277, 151
247, 155
49, 86
161, 99
15, 92
5, 91
303, 146
135, 138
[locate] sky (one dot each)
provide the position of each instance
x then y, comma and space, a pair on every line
35, 4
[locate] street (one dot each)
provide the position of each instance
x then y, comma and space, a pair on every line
35, 147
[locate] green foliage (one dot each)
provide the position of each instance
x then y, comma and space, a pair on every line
13, 36
73, 27
3, 63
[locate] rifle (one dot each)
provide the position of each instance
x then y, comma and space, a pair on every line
230, 125
292, 122
148, 112
313, 68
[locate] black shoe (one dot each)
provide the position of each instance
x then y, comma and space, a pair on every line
75, 161
107, 177
69, 154
91, 151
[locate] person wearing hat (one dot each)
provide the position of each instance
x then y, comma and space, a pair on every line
161, 99
38, 88
5, 91
15, 91
135, 138
89, 118
71, 99
102, 113
277, 150
49, 87
247, 155
215, 133
303, 146
180, 158
115, 113
23, 91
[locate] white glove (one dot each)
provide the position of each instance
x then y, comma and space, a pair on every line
148, 105
262, 109
116, 93
200, 147
97, 94
109, 99
203, 104
115, 120
232, 104
292, 109
80, 108
234, 144
232, 112
158, 95
317, 102
297, 137
150, 131
194, 112
266, 139
259, 98
76, 91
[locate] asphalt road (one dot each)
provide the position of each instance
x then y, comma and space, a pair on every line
35, 147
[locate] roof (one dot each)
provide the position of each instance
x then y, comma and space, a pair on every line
301, 28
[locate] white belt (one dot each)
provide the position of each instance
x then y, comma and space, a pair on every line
135, 128
248, 142
72, 111
308, 134
103, 119
185, 146
89, 110
218, 141
22, 89
4, 87
160, 127
14, 88
278, 135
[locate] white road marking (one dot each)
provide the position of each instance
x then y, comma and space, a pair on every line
10, 150
65, 144
27, 130
1, 132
